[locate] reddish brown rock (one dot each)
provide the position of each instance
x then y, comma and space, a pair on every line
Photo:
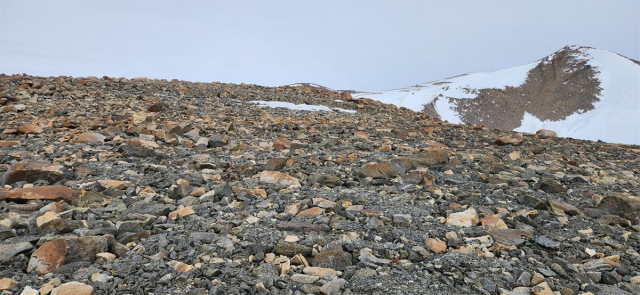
514, 139
52, 254
436, 245
29, 128
543, 133
52, 192
465, 218
8, 143
48, 257
281, 144
493, 222
315, 211
90, 137
31, 171
278, 178
186, 211
73, 288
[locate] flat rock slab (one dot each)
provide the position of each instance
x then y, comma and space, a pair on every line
510, 237
31, 171
51, 192
10, 250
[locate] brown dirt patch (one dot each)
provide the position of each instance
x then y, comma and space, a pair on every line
556, 88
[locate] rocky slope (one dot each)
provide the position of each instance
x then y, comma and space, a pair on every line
579, 92
115, 186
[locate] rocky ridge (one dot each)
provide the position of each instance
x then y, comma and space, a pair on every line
116, 186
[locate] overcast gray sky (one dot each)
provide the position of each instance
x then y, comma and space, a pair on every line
360, 45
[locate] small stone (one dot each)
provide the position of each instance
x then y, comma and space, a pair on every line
542, 289
8, 284
314, 211
90, 137
304, 279
323, 203
591, 252
333, 287
363, 273
106, 256
275, 177
73, 288
186, 211
514, 139
29, 128
493, 222
549, 186
361, 134
465, 218
537, 278
291, 249
182, 267
291, 239
546, 242
544, 133
48, 216
100, 278
436, 245
402, 218
116, 184
321, 272
29, 291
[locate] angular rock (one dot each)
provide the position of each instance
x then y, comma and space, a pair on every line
275, 177
50, 192
89, 137
29, 128
435, 245
550, 186
465, 218
622, 205
73, 288
544, 133
510, 237
514, 139
9, 250
321, 272
291, 249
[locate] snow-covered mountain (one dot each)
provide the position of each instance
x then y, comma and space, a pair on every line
579, 92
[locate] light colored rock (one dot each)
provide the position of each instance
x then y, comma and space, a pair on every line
73, 288
112, 183
542, 289
29, 291
314, 211
436, 245
46, 217
8, 284
89, 137
275, 177
321, 272
29, 128
183, 212
292, 239
493, 222
304, 279
465, 218
544, 133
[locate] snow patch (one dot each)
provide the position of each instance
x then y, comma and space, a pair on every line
298, 107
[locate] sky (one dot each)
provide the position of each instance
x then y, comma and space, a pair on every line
355, 45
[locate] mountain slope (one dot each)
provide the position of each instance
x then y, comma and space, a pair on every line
579, 92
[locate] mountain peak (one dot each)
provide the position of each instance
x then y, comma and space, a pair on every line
579, 91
